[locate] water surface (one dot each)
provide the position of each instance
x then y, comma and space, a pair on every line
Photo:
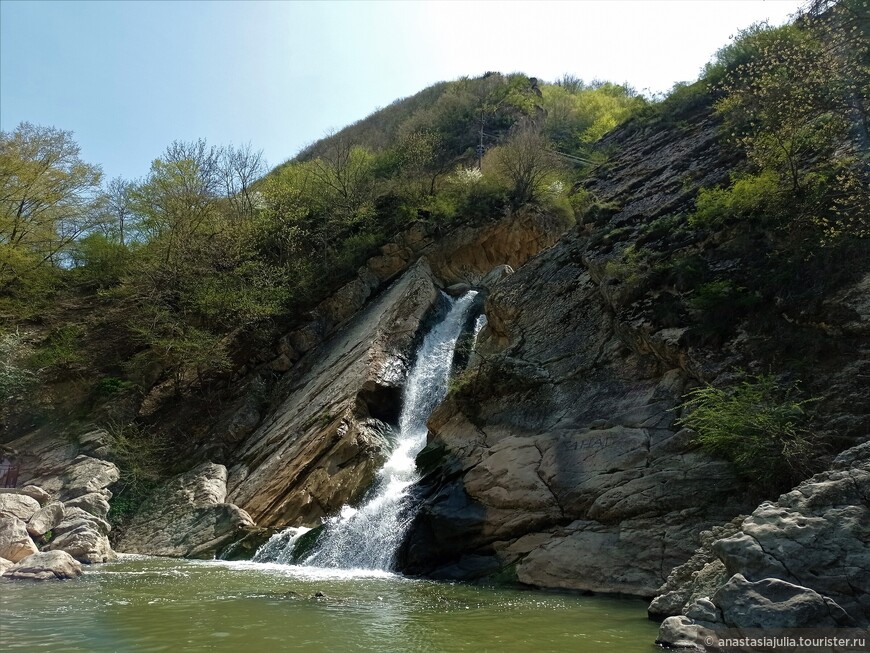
143, 604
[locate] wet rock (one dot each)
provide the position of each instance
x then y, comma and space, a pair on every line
51, 565
45, 519
187, 517
18, 505
15, 542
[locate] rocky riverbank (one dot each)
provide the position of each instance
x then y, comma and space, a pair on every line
802, 561
58, 517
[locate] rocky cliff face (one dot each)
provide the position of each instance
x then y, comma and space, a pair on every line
560, 456
557, 461
321, 447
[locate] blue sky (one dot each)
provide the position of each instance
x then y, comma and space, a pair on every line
130, 77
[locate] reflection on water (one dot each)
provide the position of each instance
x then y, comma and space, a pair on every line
151, 604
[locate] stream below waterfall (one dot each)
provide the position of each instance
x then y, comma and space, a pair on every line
140, 604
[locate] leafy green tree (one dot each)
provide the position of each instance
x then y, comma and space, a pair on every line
117, 205
526, 163
793, 100
578, 115
48, 199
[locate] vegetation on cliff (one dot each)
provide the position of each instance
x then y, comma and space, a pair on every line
109, 289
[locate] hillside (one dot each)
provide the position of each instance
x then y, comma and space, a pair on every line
675, 297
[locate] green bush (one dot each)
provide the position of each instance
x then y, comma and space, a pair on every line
137, 453
757, 425
759, 197
99, 261
719, 295
15, 377
110, 386
62, 350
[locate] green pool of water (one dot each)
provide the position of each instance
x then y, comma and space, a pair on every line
153, 604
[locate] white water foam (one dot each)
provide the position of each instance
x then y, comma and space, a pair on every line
361, 540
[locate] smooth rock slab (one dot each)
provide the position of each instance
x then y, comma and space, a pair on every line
4, 565
45, 519
51, 565
773, 603
15, 543
18, 505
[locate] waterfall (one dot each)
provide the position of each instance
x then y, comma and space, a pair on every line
368, 537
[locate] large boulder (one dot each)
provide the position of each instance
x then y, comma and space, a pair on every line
45, 519
83, 536
96, 503
15, 542
51, 565
87, 475
187, 517
18, 505
815, 538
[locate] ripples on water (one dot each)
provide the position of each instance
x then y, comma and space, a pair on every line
153, 604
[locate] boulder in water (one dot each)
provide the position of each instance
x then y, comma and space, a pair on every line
51, 565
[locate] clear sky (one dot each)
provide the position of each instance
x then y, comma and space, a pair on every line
130, 77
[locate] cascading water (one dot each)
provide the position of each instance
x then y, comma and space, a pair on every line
368, 537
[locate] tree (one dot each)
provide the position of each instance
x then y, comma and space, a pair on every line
795, 100
525, 162
118, 206
48, 198
239, 168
